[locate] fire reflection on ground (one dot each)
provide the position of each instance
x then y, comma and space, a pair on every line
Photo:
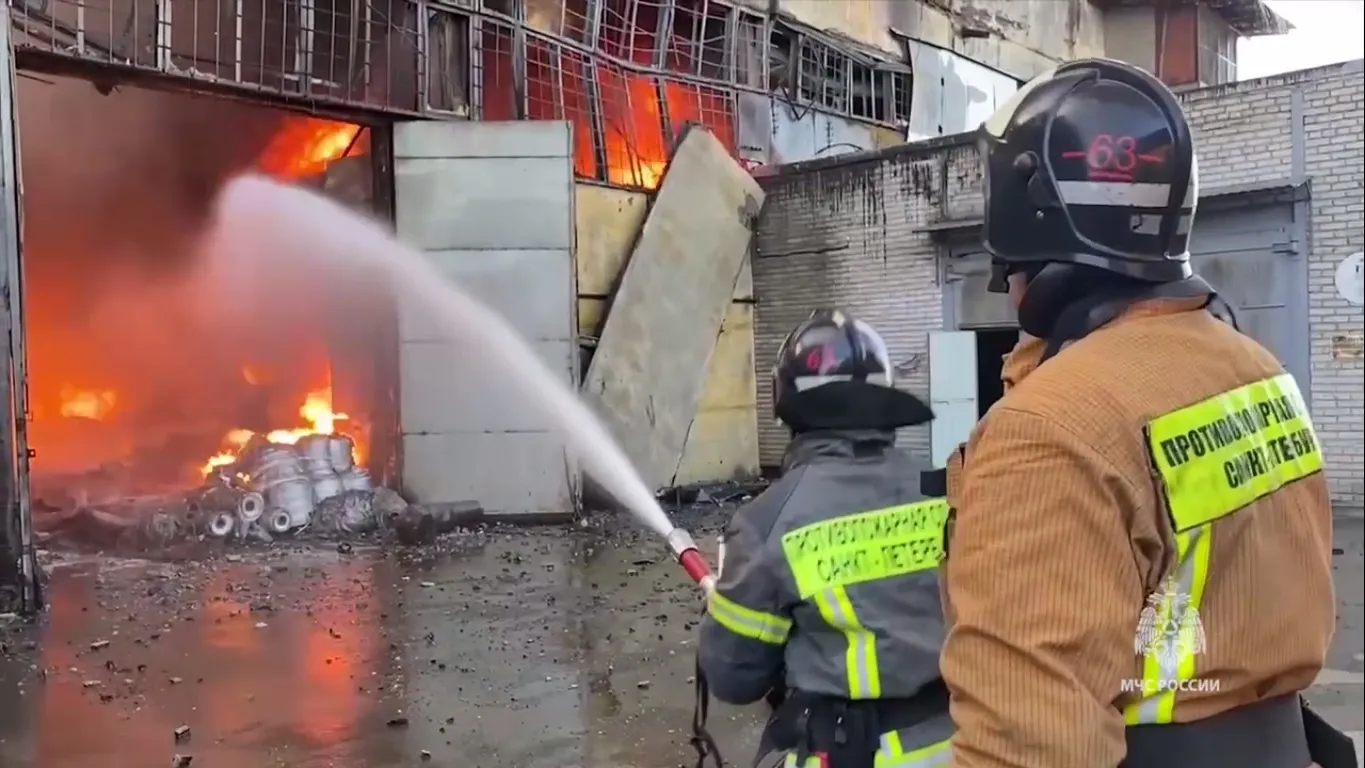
257, 659
524, 649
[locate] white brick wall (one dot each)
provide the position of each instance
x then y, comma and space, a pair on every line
840, 232
1245, 134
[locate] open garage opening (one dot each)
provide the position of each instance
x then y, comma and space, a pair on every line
160, 393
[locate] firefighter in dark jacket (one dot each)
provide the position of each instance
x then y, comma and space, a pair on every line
828, 596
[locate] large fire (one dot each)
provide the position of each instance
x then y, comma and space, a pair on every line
135, 378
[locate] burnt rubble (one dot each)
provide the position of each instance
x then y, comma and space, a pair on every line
311, 489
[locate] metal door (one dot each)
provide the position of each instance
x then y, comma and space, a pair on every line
1252, 254
491, 204
18, 566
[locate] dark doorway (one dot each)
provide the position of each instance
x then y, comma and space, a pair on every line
992, 345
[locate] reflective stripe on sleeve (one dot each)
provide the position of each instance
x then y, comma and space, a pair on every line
746, 622
1214, 458
1170, 633
864, 680
893, 755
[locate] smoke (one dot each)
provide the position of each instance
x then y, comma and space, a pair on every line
117, 190
134, 169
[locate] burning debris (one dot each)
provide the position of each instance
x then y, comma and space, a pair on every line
268, 490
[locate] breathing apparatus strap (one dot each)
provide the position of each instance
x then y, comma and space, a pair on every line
1090, 313
701, 739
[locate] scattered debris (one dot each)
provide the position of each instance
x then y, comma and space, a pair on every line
311, 489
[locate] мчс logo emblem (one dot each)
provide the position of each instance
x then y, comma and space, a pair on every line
1169, 629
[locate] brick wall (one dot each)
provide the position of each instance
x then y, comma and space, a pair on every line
842, 234
841, 231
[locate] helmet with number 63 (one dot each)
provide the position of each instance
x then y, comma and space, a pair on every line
1093, 164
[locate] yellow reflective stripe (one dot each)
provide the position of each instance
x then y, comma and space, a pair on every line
1213, 458
868, 546
893, 755
1223, 453
746, 622
1173, 615
864, 679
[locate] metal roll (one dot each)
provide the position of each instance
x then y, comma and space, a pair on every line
250, 507
341, 451
221, 525
279, 521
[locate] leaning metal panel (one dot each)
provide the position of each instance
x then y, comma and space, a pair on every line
402, 56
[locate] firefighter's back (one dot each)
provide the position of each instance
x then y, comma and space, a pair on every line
862, 545
1217, 474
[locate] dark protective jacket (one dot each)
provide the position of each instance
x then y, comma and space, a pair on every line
829, 586
1141, 539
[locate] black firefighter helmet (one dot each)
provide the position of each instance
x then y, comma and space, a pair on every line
1090, 164
833, 372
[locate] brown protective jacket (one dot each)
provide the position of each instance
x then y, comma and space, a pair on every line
1059, 535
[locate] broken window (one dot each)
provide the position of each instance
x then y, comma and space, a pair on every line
495, 76
448, 62
632, 127
578, 90
750, 51
782, 46
509, 8
699, 40
714, 60
628, 30
823, 76
557, 89
880, 95
702, 105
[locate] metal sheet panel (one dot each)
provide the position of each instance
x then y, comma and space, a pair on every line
723, 443
952, 392
492, 205
647, 375
952, 94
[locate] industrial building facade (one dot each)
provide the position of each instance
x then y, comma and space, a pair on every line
892, 236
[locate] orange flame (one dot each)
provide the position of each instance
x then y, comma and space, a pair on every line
87, 404
316, 411
306, 145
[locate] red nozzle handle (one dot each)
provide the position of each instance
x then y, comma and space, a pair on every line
695, 565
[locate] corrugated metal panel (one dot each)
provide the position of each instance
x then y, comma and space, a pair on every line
845, 236
492, 205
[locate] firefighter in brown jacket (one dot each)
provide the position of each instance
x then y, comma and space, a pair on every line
1138, 565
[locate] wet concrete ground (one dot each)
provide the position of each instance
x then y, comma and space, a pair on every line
526, 649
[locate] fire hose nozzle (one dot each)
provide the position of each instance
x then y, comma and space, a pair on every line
682, 545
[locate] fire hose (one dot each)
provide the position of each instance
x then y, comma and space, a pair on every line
684, 548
